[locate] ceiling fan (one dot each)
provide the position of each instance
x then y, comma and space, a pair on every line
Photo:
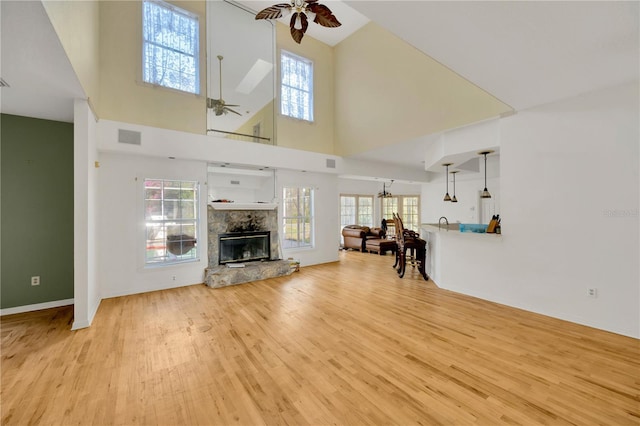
218, 105
303, 10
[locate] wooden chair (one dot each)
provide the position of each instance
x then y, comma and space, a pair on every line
408, 240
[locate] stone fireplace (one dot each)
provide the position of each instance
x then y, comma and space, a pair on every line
243, 244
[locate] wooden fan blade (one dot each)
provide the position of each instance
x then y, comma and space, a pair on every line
229, 109
324, 16
273, 12
227, 105
296, 33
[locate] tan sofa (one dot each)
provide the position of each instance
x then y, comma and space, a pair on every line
356, 236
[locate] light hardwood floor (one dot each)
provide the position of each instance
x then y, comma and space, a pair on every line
342, 343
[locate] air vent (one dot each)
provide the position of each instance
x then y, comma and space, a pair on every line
130, 137
235, 182
331, 163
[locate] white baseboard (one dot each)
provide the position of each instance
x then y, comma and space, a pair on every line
131, 292
35, 307
78, 324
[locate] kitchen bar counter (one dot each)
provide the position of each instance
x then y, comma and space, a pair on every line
453, 229
454, 257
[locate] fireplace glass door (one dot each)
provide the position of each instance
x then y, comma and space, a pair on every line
244, 247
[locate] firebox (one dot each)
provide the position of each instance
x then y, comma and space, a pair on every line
244, 246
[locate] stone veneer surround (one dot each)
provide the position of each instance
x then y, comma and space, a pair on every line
222, 221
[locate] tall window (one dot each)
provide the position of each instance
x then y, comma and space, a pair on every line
296, 93
389, 206
356, 210
170, 46
407, 206
298, 217
171, 217
410, 212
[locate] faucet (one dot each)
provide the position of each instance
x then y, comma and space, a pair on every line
440, 222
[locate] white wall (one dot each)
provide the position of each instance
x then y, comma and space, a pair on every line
569, 203
85, 288
164, 143
121, 224
564, 167
326, 215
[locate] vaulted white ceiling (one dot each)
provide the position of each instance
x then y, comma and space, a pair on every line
34, 64
525, 53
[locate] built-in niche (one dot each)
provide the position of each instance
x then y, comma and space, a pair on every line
240, 185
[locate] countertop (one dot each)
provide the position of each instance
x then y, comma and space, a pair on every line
453, 229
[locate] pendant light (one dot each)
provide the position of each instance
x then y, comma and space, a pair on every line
454, 199
384, 193
485, 192
447, 197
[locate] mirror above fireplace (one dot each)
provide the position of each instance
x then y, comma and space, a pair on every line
240, 72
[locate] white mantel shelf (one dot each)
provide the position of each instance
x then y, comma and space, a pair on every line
243, 206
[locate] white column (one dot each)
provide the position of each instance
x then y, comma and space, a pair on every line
85, 156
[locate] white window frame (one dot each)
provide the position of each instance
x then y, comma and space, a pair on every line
358, 214
408, 224
299, 219
194, 53
168, 258
285, 108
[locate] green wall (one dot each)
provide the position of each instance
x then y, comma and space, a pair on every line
37, 210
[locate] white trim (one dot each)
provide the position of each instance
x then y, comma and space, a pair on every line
145, 221
243, 206
147, 289
35, 307
77, 325
84, 324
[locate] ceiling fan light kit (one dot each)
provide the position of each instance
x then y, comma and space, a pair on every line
303, 11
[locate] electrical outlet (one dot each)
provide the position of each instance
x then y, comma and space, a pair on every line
592, 292
173, 278
35, 280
